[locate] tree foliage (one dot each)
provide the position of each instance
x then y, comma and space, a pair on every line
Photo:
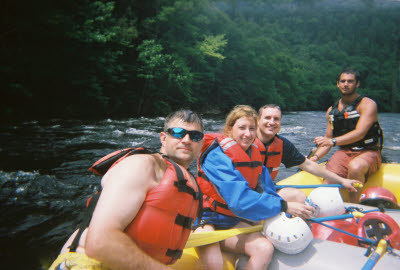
87, 58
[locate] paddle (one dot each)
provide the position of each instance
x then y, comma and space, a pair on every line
376, 255
312, 152
355, 214
206, 238
357, 185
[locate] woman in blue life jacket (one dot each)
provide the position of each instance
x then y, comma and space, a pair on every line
239, 192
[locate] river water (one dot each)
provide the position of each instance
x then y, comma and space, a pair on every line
45, 181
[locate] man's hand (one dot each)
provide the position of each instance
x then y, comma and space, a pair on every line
301, 210
323, 141
351, 185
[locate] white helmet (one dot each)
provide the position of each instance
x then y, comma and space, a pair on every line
288, 235
328, 200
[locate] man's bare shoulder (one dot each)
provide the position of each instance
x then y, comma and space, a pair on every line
367, 104
328, 111
143, 161
141, 167
367, 101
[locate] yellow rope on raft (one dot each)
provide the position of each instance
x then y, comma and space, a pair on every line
206, 238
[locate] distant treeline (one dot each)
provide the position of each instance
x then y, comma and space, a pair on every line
127, 58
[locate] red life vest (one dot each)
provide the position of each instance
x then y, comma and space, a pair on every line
164, 222
273, 157
249, 167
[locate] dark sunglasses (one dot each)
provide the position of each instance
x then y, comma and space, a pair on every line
179, 133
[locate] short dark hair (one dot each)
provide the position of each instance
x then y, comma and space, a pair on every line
187, 116
274, 106
349, 70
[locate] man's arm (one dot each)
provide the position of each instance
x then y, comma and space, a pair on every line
124, 191
315, 169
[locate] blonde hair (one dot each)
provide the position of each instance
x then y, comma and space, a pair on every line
238, 112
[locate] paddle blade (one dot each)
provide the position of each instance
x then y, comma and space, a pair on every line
206, 238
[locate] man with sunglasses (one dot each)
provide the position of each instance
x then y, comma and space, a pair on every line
146, 207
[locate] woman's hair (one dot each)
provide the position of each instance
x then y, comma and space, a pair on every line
237, 112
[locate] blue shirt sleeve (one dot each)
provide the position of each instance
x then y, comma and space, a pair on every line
234, 189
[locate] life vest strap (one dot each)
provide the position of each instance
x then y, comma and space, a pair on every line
202, 175
185, 222
273, 153
181, 183
85, 222
220, 205
182, 187
251, 164
174, 254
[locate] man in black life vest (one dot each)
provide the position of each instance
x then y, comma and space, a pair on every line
277, 149
352, 124
146, 207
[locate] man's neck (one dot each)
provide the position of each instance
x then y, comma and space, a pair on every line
185, 164
264, 138
347, 100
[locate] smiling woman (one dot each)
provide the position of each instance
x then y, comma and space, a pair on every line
241, 126
229, 169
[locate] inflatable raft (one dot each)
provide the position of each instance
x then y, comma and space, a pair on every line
323, 252
388, 176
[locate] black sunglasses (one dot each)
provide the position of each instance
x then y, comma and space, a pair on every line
179, 133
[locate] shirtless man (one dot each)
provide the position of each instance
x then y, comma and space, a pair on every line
352, 124
132, 217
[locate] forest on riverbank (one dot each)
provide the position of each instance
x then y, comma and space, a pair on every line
128, 58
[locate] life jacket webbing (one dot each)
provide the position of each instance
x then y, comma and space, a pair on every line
182, 187
101, 166
203, 175
183, 221
220, 205
174, 254
181, 183
85, 222
252, 164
